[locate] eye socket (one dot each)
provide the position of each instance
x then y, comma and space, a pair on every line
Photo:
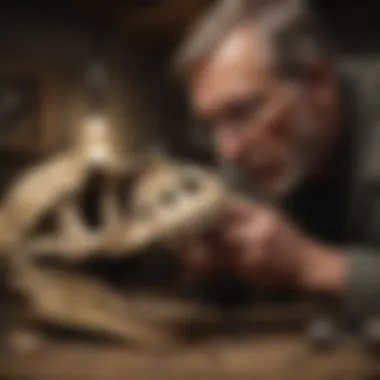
168, 198
190, 184
241, 111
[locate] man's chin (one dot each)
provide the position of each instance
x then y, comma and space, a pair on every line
278, 189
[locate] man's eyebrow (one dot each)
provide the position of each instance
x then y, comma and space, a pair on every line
257, 96
253, 98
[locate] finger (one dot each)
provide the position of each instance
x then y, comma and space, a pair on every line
241, 209
258, 229
238, 235
240, 206
242, 234
251, 246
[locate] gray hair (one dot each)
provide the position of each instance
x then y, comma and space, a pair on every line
289, 26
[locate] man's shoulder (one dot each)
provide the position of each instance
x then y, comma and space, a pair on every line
360, 79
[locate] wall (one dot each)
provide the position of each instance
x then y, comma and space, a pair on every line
58, 50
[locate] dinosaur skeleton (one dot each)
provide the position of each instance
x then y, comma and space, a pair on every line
165, 203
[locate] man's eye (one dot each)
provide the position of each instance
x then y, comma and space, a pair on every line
241, 112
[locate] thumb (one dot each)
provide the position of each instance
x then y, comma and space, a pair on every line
241, 208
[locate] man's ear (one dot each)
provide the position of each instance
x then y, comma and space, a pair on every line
319, 80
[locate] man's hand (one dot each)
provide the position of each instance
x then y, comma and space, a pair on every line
263, 246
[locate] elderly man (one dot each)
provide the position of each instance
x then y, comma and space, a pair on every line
278, 109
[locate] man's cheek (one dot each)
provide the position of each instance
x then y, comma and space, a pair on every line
305, 124
283, 122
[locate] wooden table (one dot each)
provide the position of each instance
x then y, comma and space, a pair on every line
272, 357
275, 349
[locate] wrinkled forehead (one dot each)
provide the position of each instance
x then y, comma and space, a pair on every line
238, 65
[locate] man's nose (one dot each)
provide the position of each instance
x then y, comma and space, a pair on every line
230, 148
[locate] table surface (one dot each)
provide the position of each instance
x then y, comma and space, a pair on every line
271, 357
273, 347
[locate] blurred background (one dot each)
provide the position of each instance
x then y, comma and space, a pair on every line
44, 48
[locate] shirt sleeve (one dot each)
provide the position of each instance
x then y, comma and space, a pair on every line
362, 298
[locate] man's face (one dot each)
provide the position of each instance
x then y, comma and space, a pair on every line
267, 127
